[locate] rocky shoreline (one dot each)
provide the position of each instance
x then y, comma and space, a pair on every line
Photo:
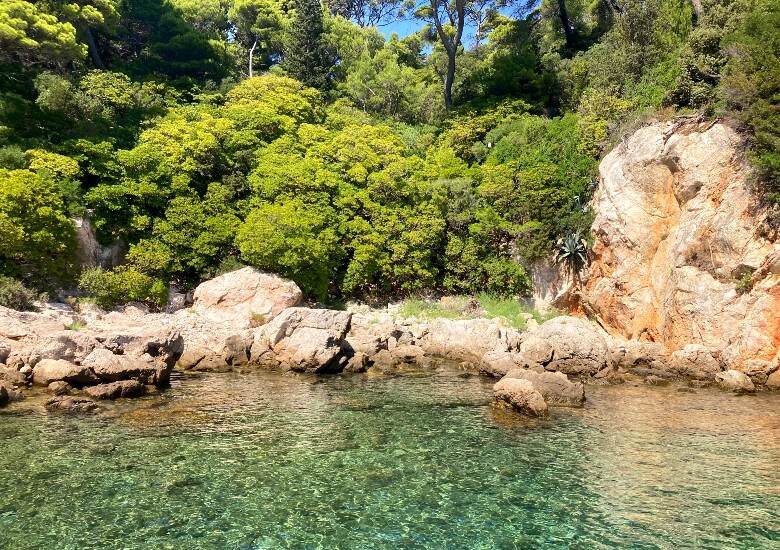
249, 319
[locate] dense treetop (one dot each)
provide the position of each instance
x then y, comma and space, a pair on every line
293, 136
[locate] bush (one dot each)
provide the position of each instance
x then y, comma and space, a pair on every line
122, 285
15, 295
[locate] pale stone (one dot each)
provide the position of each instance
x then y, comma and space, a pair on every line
555, 387
245, 296
521, 395
567, 344
736, 381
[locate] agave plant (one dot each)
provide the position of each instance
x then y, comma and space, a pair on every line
572, 252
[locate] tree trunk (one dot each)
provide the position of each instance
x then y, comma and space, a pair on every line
449, 78
568, 30
94, 54
252, 58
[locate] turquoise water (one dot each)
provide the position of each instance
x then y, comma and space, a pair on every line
272, 461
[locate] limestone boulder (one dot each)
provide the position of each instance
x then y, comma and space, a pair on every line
521, 395
632, 354
115, 390
302, 339
677, 228
53, 370
773, 381
107, 366
13, 376
570, 345
733, 380
70, 404
758, 370
694, 361
245, 297
497, 363
555, 387
467, 340
70, 345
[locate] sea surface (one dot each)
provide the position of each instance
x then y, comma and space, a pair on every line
266, 460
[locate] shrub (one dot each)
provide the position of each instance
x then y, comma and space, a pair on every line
122, 285
15, 295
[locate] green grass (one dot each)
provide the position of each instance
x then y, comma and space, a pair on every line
75, 325
415, 307
511, 310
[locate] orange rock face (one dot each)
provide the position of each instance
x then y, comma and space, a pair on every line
683, 250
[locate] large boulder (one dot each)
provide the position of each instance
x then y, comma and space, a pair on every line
555, 387
678, 232
161, 343
246, 296
758, 370
302, 339
498, 362
566, 344
70, 345
52, 370
632, 354
467, 340
110, 367
694, 361
520, 395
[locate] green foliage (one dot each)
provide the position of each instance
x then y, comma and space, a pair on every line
350, 177
292, 240
36, 236
31, 36
121, 285
14, 295
306, 57
751, 85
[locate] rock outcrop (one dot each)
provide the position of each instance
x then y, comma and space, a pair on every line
566, 344
303, 339
555, 387
521, 395
682, 254
245, 296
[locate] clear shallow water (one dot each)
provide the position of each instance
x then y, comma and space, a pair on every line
271, 461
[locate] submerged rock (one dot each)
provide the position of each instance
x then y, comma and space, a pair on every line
59, 387
521, 395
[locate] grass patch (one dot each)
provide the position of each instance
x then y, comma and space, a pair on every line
515, 313
414, 307
75, 325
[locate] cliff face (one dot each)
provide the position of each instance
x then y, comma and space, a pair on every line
676, 229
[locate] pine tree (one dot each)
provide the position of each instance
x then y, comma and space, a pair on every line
307, 57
